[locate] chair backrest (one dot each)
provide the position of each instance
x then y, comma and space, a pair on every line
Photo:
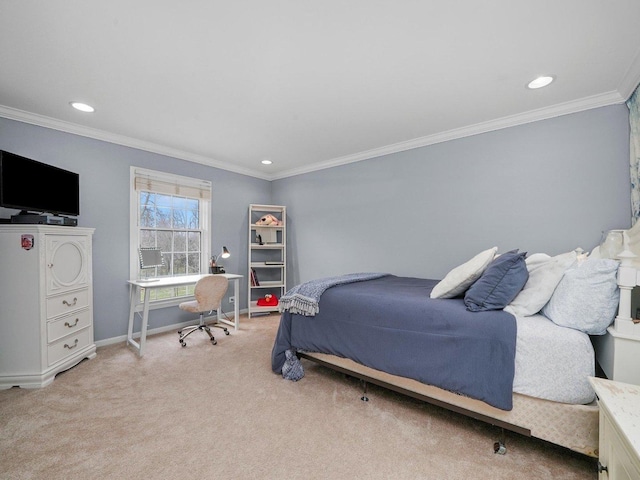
209, 292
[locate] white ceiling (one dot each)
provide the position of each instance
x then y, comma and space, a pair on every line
308, 85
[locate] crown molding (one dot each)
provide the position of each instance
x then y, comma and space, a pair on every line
94, 133
587, 103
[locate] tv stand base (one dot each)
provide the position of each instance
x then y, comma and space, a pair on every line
43, 219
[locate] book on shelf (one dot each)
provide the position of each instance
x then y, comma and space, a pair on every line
254, 278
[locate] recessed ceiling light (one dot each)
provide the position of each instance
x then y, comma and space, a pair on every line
83, 107
266, 162
540, 82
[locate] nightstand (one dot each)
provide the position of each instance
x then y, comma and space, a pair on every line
619, 441
618, 352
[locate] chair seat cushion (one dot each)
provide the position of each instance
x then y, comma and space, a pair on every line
191, 306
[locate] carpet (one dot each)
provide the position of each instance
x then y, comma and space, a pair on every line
218, 412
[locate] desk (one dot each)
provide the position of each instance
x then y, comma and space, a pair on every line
164, 282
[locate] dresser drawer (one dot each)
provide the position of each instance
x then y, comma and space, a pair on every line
67, 325
69, 345
67, 302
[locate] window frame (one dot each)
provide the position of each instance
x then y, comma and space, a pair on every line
189, 184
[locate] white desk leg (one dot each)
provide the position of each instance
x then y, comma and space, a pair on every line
134, 292
145, 321
236, 308
236, 305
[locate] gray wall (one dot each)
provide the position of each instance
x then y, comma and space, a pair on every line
104, 205
548, 186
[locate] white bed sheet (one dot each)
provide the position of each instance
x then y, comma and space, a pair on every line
553, 362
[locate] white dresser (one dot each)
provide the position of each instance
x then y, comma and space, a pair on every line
619, 404
46, 302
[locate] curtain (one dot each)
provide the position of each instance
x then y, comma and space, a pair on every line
634, 148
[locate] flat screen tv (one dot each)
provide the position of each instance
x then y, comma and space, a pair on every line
33, 186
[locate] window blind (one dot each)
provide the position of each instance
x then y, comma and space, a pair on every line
172, 185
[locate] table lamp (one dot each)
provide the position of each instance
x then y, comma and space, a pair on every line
215, 268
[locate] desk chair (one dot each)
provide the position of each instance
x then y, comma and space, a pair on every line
209, 292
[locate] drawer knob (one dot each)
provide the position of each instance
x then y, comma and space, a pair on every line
602, 468
67, 324
75, 300
75, 344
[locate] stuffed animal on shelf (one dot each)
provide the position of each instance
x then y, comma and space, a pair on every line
268, 301
269, 220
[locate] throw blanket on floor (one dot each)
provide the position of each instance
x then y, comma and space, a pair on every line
303, 299
292, 368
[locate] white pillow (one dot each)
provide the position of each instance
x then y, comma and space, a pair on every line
545, 273
458, 280
586, 298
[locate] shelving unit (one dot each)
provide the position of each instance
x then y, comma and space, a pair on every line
267, 257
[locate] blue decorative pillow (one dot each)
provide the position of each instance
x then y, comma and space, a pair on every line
499, 284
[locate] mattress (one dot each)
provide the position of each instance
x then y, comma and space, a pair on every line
553, 362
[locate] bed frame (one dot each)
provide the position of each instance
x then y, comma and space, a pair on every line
572, 426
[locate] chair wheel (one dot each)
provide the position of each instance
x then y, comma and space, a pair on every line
213, 341
226, 332
182, 343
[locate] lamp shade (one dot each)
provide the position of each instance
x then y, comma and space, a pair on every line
225, 253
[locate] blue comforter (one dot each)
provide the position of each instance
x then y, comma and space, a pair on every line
392, 325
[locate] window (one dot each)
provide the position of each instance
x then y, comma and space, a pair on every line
170, 213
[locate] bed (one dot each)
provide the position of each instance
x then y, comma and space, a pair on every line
523, 373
